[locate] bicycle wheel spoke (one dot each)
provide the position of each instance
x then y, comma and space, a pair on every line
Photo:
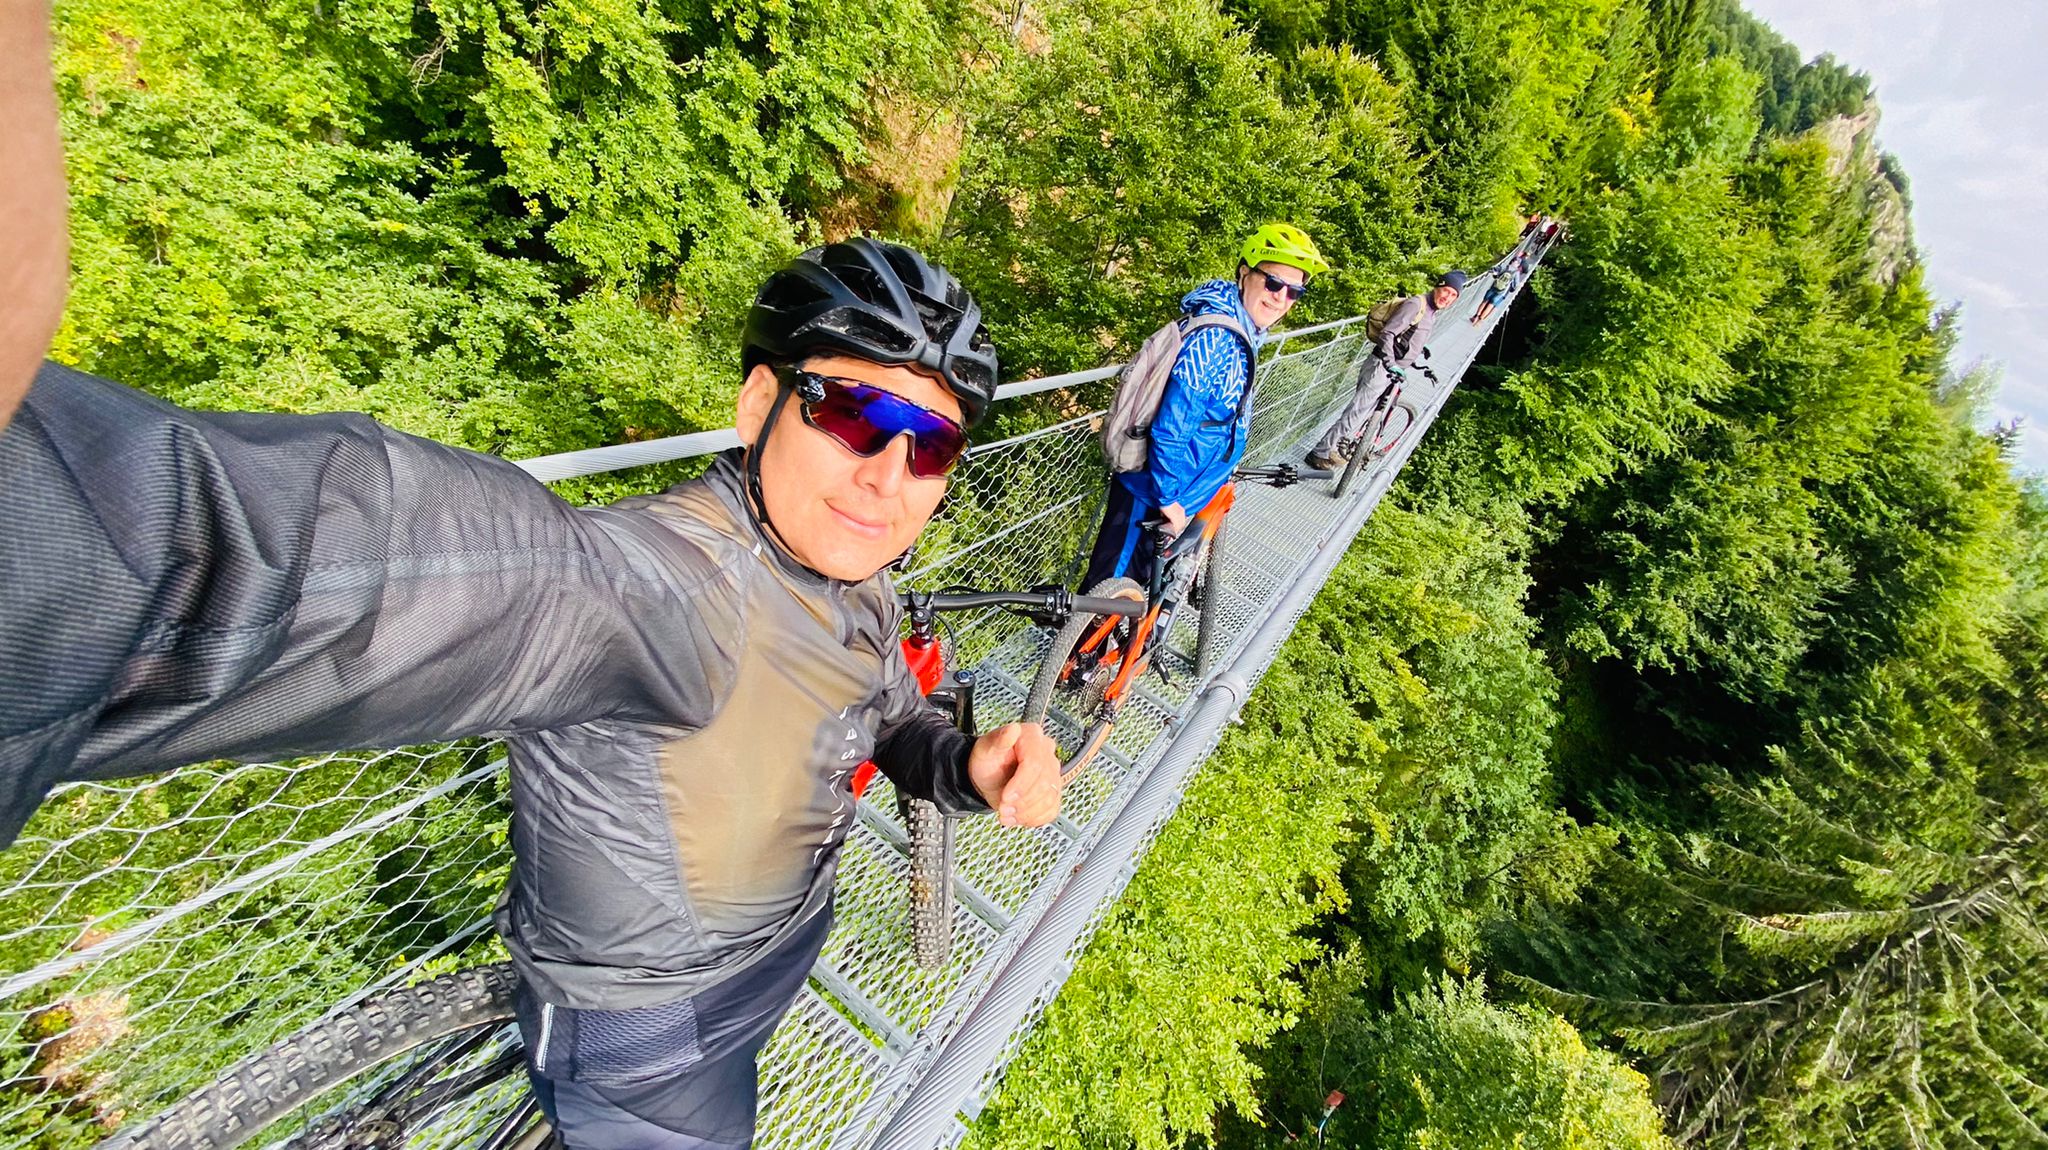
429, 1065
392, 1119
514, 1126
1086, 657
432, 1098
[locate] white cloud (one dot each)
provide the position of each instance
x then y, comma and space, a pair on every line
1960, 83
1977, 292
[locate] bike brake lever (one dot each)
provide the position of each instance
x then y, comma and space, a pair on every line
1051, 611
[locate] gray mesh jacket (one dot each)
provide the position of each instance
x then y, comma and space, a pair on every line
684, 704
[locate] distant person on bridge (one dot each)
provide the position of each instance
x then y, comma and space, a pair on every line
1197, 436
1505, 280
1402, 341
685, 681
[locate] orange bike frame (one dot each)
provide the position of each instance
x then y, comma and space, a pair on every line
1210, 520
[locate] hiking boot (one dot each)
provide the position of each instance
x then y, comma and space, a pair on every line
1326, 462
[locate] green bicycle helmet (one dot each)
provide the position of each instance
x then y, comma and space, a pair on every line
1284, 244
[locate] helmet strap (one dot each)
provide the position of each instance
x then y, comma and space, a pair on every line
753, 469
759, 501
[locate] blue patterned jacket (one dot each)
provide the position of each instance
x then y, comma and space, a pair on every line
1199, 434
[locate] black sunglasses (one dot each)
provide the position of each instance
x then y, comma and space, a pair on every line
1291, 290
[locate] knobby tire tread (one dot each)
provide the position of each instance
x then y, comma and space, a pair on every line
1352, 467
1209, 625
931, 883
271, 1084
1069, 636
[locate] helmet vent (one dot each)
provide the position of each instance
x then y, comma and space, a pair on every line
868, 329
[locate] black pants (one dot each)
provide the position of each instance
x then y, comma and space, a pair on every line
1123, 545
679, 1076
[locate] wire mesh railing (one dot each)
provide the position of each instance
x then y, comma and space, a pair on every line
155, 930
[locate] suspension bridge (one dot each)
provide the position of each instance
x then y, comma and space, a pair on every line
154, 931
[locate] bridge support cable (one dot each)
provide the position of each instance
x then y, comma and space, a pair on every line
153, 931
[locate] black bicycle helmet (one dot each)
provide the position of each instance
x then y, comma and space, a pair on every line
881, 302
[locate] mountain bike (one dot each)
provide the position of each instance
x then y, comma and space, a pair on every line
1390, 419
929, 831
1096, 657
439, 1063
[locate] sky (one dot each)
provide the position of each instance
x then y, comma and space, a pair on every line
1963, 85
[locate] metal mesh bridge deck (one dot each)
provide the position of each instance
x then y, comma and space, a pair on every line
153, 931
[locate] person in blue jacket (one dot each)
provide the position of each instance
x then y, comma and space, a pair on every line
1199, 434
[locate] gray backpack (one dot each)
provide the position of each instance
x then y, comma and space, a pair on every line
1127, 428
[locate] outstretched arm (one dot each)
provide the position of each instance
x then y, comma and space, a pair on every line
34, 240
178, 586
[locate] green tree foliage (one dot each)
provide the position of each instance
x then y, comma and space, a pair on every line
1373, 228
1870, 908
1448, 1069
1122, 162
1778, 562
1464, 777
1756, 546
1795, 95
1486, 117
1655, 289
518, 228
1393, 755
236, 239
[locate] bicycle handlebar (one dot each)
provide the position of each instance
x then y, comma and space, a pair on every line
1280, 474
1050, 600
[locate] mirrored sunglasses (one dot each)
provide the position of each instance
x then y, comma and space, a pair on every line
866, 420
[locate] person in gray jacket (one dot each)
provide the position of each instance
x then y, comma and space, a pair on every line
1403, 341
685, 681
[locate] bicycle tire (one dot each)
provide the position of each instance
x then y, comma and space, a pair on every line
1352, 466
274, 1084
1382, 450
1209, 625
931, 883
1097, 717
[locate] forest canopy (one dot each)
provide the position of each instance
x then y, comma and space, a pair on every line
1663, 764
